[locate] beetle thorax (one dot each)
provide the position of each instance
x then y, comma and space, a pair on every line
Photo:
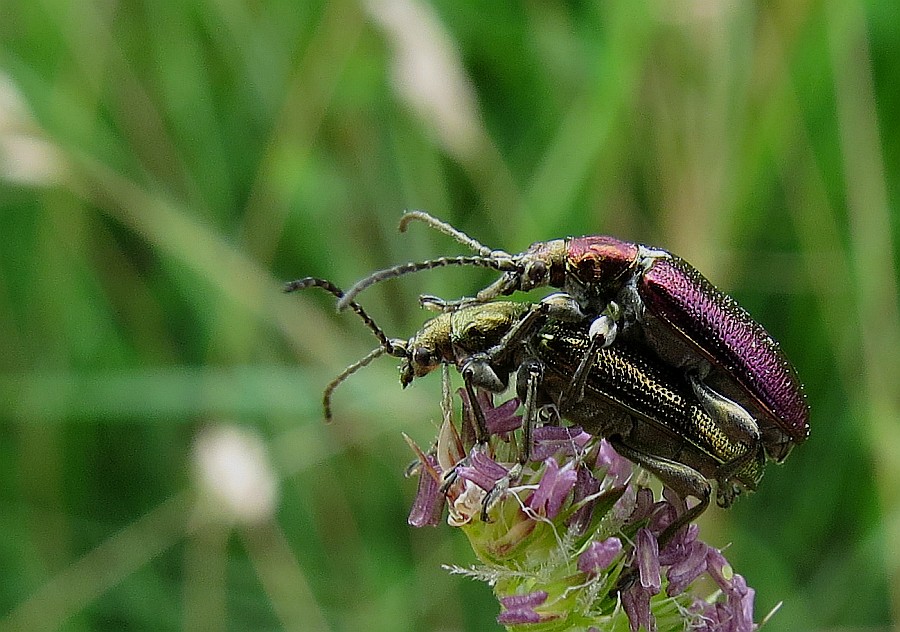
601, 262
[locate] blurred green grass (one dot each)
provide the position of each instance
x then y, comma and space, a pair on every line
165, 165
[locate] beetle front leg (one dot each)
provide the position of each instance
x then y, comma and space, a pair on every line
470, 376
504, 286
533, 372
601, 334
480, 423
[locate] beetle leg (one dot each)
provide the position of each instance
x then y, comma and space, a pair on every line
561, 306
533, 372
682, 479
477, 370
469, 373
733, 419
504, 286
738, 425
469, 378
601, 334
727, 490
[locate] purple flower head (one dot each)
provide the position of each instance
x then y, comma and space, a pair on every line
562, 440
503, 418
687, 569
642, 506
429, 502
618, 469
554, 488
636, 603
662, 514
577, 505
741, 603
585, 485
529, 600
599, 555
520, 608
720, 570
499, 420
732, 615
646, 553
483, 471
678, 546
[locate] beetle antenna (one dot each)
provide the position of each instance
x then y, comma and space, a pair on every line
395, 348
301, 284
350, 370
447, 229
503, 264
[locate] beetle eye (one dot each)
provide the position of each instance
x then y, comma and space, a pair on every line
422, 357
536, 273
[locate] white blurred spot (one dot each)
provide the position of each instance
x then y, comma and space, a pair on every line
13, 111
25, 157
428, 73
28, 160
234, 475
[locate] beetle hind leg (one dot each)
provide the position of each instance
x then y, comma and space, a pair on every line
680, 478
734, 420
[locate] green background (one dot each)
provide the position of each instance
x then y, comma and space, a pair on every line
166, 164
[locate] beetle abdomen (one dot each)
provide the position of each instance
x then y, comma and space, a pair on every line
720, 329
656, 394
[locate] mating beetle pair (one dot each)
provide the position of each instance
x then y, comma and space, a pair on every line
645, 352
656, 300
649, 411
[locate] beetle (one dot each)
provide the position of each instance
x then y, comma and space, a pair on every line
652, 413
651, 296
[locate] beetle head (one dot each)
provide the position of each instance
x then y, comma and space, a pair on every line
427, 349
544, 263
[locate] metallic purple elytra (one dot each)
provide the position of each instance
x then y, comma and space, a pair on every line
727, 335
665, 295
659, 300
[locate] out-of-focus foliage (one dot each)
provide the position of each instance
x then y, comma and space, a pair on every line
166, 164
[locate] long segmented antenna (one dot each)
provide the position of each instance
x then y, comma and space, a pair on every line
500, 264
396, 348
447, 229
328, 286
343, 375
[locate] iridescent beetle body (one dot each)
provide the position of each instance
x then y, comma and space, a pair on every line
686, 320
657, 299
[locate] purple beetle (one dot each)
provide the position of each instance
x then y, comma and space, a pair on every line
650, 296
